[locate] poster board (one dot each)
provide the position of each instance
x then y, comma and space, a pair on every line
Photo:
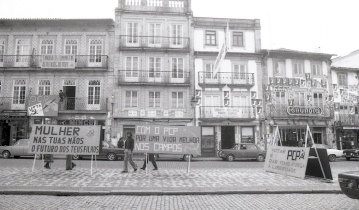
65, 140
288, 161
43, 106
313, 167
168, 139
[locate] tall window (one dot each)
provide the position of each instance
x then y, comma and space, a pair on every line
318, 99
279, 68
19, 92
298, 68
71, 47
154, 34
211, 38
132, 33
154, 99
131, 99
177, 100
177, 67
44, 87
95, 51
342, 79
154, 67
47, 47
316, 69
280, 98
237, 40
2, 50
22, 50
299, 99
94, 90
208, 68
177, 34
132, 66
241, 100
239, 71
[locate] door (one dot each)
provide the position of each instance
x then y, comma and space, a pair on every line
208, 146
228, 137
70, 97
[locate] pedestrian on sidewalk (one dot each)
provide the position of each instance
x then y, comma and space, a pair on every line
152, 158
48, 159
129, 146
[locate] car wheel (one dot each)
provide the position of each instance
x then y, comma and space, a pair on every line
187, 157
348, 158
111, 156
6, 154
230, 158
260, 158
332, 158
76, 157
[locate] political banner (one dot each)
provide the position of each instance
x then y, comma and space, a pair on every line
43, 106
65, 140
288, 161
168, 139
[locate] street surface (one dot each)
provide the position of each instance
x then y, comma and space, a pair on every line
205, 202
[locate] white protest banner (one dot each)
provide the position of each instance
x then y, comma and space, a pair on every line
168, 139
65, 140
288, 161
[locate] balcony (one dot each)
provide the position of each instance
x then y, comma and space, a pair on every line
151, 113
174, 6
155, 42
233, 112
54, 61
347, 119
283, 111
225, 78
154, 78
9, 103
84, 104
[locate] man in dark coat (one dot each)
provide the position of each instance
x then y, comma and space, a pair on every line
129, 144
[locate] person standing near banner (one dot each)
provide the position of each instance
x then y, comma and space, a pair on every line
152, 158
129, 144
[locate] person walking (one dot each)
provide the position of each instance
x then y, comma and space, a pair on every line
152, 158
129, 144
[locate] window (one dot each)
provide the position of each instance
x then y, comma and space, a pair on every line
177, 67
237, 39
239, 71
247, 135
2, 50
22, 50
211, 38
132, 33
279, 68
154, 34
71, 47
132, 66
94, 92
316, 69
19, 92
44, 87
95, 51
318, 99
47, 47
177, 34
154, 99
208, 68
298, 68
212, 101
342, 79
299, 99
131, 99
241, 100
280, 98
177, 100
154, 67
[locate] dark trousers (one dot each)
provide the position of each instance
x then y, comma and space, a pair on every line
152, 159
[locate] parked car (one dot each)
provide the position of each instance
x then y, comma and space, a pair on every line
175, 157
351, 153
105, 153
349, 183
20, 148
333, 154
243, 151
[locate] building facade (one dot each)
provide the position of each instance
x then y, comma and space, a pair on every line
345, 76
40, 57
153, 64
229, 103
298, 92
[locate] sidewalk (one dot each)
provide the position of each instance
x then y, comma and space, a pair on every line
163, 182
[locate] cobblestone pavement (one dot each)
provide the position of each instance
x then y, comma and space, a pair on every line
207, 202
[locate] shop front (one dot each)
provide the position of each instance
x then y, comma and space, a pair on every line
14, 125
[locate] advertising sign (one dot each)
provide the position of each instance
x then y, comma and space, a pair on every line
168, 139
43, 106
65, 140
288, 161
297, 110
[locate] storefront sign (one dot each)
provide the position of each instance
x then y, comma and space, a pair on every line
288, 161
43, 106
168, 139
65, 140
299, 110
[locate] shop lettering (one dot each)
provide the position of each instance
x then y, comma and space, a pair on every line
295, 110
56, 131
295, 154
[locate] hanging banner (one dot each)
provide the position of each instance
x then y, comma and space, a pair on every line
43, 106
65, 140
168, 139
288, 161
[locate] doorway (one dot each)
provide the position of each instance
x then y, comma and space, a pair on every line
5, 134
70, 97
228, 137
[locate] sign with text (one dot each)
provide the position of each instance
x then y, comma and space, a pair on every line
288, 161
168, 139
65, 140
43, 106
298, 110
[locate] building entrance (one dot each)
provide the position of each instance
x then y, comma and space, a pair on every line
70, 97
228, 137
5, 133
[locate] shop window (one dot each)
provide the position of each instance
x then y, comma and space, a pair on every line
247, 135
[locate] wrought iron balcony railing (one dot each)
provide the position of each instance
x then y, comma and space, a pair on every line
11, 103
230, 112
154, 113
83, 104
285, 111
154, 77
347, 119
156, 5
160, 42
226, 78
54, 61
